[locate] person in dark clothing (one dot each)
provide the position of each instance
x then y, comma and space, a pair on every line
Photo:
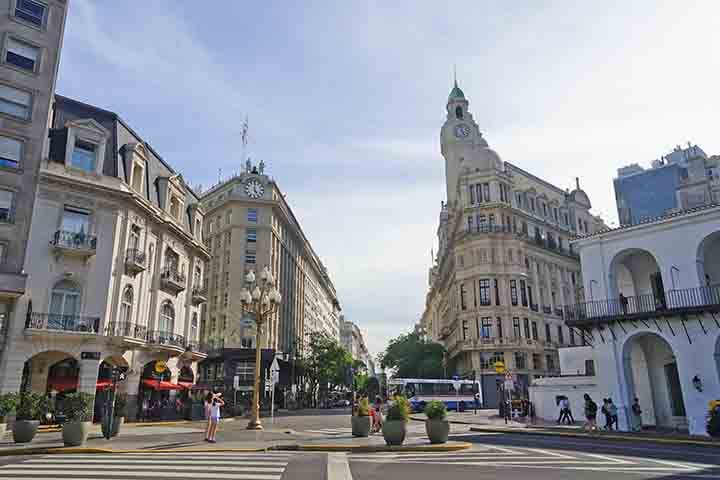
590, 414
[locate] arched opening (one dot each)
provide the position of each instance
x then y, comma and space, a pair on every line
458, 112
126, 306
157, 394
708, 261
651, 374
636, 284
167, 318
105, 383
52, 373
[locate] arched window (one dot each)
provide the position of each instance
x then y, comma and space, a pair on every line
459, 112
64, 299
194, 327
126, 306
167, 318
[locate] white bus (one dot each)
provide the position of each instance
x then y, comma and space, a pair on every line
419, 391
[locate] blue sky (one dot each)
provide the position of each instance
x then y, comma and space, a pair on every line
346, 99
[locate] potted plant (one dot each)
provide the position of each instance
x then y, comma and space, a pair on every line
119, 416
27, 417
361, 421
713, 419
436, 425
8, 404
78, 410
394, 427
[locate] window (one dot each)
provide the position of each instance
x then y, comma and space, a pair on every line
7, 198
194, 326
458, 112
513, 292
226, 279
84, 158
227, 257
499, 327
520, 360
555, 213
167, 318
532, 204
31, 11
485, 331
251, 236
537, 361
534, 330
572, 336
64, 302
250, 256
548, 337
22, 55
530, 299
566, 221
469, 219
497, 292
516, 327
485, 361
589, 367
472, 194
486, 191
464, 329
550, 362
463, 305
75, 220
544, 209
523, 293
252, 215
10, 152
526, 325
126, 307
561, 337
198, 229
228, 217
485, 292
14, 102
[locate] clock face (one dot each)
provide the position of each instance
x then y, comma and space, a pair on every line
254, 189
462, 130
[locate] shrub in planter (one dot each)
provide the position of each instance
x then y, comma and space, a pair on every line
361, 421
79, 412
8, 404
395, 425
713, 419
27, 416
436, 425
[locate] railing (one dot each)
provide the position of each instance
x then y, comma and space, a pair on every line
192, 347
534, 307
126, 329
173, 275
641, 304
66, 323
157, 337
135, 256
548, 243
559, 312
79, 241
210, 345
547, 310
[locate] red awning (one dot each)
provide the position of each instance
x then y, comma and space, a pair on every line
161, 385
62, 384
103, 384
186, 385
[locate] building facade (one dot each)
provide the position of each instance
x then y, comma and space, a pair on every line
249, 225
32, 33
654, 319
115, 263
683, 179
504, 266
352, 339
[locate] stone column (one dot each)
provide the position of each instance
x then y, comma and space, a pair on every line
87, 378
130, 387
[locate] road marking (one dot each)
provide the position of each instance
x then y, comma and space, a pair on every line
167, 468
338, 467
608, 459
23, 474
111, 462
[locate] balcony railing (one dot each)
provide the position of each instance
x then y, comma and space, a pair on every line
173, 280
547, 310
645, 305
65, 323
126, 329
135, 260
534, 307
199, 295
170, 339
547, 243
559, 312
74, 241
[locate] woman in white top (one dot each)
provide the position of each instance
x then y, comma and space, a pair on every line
215, 405
207, 403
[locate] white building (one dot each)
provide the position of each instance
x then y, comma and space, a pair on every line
652, 316
352, 339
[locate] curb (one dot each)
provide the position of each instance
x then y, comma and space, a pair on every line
88, 450
453, 447
599, 436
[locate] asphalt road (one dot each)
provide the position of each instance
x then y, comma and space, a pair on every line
507, 456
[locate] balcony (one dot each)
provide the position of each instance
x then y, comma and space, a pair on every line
134, 261
74, 244
559, 312
547, 310
534, 307
199, 295
194, 352
166, 340
672, 302
172, 281
127, 333
62, 323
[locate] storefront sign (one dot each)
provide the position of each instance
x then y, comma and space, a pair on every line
89, 355
160, 366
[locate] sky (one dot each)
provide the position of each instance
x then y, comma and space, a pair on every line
345, 101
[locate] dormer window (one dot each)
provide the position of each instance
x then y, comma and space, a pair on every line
458, 112
84, 155
137, 177
85, 148
175, 207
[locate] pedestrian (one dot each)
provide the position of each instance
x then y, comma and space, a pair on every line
568, 413
613, 411
564, 408
207, 403
477, 402
215, 405
608, 419
590, 414
377, 415
636, 415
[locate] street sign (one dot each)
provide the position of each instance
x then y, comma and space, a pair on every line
89, 355
500, 367
275, 371
509, 385
160, 366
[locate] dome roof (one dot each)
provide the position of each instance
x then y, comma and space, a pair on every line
456, 94
579, 195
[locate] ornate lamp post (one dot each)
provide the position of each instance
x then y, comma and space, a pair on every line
260, 299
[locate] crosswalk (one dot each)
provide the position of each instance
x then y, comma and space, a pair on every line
176, 466
413, 429
535, 458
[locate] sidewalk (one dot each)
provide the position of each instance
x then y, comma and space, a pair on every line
490, 421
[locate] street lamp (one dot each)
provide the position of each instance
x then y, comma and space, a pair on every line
260, 299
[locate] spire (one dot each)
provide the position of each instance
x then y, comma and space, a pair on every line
455, 75
455, 93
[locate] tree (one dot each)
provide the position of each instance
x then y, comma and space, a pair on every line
326, 363
412, 357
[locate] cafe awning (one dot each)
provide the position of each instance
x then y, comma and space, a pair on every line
62, 384
103, 384
161, 385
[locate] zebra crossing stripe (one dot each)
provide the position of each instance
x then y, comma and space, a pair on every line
54, 473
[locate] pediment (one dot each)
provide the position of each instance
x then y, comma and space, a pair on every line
88, 125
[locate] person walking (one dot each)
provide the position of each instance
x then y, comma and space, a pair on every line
377, 414
636, 415
612, 411
476, 402
590, 414
207, 403
606, 413
215, 405
565, 413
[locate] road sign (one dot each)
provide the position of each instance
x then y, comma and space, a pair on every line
160, 366
509, 385
275, 371
500, 367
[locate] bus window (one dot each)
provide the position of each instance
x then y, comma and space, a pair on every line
467, 389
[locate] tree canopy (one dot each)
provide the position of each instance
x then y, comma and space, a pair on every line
326, 362
413, 357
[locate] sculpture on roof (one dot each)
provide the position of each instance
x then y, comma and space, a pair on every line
248, 165
261, 167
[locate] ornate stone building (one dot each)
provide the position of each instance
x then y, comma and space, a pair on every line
504, 267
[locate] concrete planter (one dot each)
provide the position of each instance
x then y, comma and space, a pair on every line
3, 429
74, 434
361, 426
394, 431
437, 430
117, 423
24, 430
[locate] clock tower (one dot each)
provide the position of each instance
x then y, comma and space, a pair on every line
460, 138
